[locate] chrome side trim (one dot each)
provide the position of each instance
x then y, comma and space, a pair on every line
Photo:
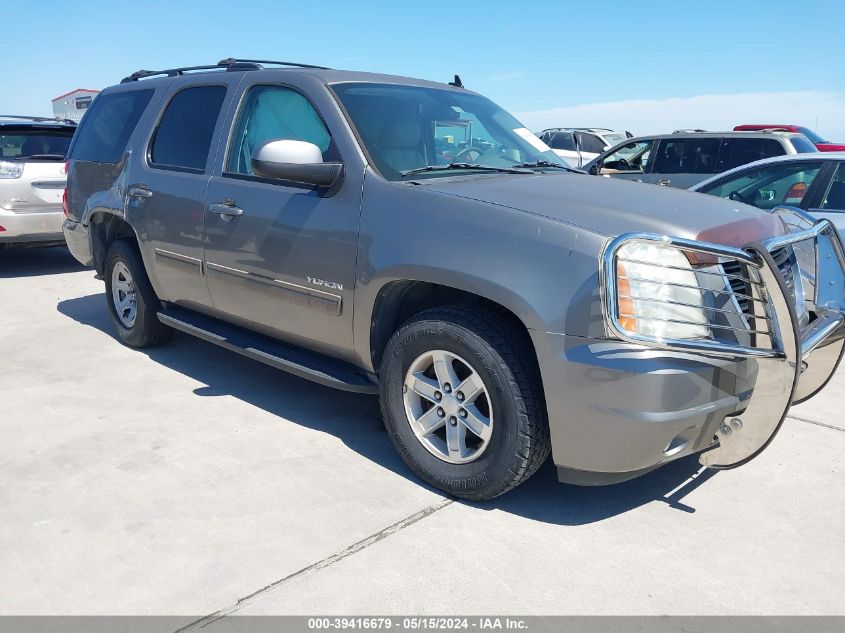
178, 261
284, 290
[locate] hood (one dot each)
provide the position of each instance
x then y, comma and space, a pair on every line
611, 207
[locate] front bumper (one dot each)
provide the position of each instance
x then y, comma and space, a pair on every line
624, 405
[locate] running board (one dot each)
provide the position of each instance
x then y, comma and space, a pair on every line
300, 362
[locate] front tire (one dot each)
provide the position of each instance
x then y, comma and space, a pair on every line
132, 302
474, 445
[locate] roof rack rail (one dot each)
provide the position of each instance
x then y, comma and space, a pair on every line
38, 119
230, 61
690, 130
229, 64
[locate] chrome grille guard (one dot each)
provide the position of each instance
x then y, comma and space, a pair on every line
789, 318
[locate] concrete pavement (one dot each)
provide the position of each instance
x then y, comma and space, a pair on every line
189, 480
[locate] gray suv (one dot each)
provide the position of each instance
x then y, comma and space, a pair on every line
388, 235
685, 158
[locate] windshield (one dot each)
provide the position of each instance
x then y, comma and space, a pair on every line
25, 143
614, 139
410, 127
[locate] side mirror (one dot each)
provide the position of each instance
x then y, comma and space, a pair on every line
296, 161
594, 169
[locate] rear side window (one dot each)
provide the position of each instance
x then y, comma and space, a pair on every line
741, 151
108, 124
687, 156
561, 140
183, 136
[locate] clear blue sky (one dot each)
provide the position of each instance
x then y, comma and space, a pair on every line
526, 56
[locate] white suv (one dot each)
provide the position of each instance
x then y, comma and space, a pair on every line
579, 145
32, 179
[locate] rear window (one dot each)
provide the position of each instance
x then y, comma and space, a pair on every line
802, 145
108, 124
184, 134
22, 143
741, 151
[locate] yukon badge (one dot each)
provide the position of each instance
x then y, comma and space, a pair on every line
324, 283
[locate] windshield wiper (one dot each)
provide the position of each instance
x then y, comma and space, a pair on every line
508, 170
548, 163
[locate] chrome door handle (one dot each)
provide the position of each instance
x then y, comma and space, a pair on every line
225, 209
663, 182
140, 192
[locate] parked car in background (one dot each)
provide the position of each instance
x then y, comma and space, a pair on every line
813, 183
579, 145
32, 179
686, 158
502, 309
821, 144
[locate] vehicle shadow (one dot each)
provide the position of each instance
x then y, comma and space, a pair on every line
355, 420
34, 262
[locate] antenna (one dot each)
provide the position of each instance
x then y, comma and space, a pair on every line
457, 82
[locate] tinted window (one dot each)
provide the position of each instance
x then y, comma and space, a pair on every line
26, 143
802, 145
814, 138
591, 143
399, 126
834, 198
741, 151
561, 140
107, 126
184, 134
273, 113
769, 186
687, 156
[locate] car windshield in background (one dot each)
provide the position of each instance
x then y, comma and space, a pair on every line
815, 138
407, 128
614, 139
37, 144
802, 145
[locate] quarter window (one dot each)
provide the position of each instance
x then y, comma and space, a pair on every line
107, 126
275, 113
184, 134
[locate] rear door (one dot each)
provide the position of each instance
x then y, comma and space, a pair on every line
684, 161
283, 262
167, 186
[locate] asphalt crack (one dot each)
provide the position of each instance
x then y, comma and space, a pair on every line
808, 421
321, 564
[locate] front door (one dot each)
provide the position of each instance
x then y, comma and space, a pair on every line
629, 162
167, 186
280, 256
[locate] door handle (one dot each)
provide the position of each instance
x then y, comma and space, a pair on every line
140, 192
664, 181
225, 209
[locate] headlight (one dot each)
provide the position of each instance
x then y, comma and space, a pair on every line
658, 293
10, 170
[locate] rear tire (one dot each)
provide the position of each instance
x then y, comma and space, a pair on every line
506, 438
132, 302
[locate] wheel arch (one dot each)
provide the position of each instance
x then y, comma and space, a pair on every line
106, 227
398, 300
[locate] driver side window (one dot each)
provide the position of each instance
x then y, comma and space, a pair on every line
272, 113
632, 157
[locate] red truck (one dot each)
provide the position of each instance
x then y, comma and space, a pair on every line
821, 144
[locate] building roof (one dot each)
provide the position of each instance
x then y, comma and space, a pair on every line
74, 90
